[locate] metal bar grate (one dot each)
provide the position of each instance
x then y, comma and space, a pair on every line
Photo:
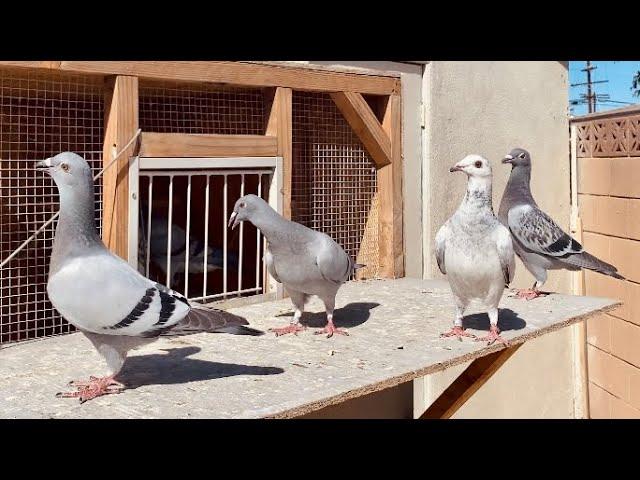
190, 245
41, 114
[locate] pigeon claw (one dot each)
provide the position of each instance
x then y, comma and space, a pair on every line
291, 328
493, 336
330, 329
528, 293
92, 388
457, 332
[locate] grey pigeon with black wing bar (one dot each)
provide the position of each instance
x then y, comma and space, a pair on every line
116, 307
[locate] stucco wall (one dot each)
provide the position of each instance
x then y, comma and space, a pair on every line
489, 108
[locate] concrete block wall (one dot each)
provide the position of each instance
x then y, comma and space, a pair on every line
609, 205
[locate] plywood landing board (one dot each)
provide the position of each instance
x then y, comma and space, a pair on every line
394, 327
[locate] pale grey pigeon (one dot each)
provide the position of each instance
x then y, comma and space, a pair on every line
539, 242
306, 262
102, 295
475, 250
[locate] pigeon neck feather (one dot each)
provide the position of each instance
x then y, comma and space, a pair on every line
270, 223
518, 188
76, 231
478, 195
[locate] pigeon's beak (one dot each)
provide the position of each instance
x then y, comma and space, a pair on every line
233, 220
455, 168
44, 165
507, 159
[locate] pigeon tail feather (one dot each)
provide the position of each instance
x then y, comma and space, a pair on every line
588, 261
205, 319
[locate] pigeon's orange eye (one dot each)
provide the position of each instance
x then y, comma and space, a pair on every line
478, 164
64, 167
521, 155
242, 205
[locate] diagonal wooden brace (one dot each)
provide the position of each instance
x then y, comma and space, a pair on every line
468, 383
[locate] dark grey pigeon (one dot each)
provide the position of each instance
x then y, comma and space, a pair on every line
539, 242
102, 295
306, 262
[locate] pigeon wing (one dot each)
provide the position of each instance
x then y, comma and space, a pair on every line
441, 241
504, 245
537, 232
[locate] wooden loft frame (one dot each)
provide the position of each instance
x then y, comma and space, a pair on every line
380, 131
233, 73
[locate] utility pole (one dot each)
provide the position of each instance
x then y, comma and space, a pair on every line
591, 97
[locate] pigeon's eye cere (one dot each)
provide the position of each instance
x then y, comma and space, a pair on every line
242, 205
478, 164
522, 155
64, 167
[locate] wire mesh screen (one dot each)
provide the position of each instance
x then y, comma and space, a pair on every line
334, 187
41, 114
173, 107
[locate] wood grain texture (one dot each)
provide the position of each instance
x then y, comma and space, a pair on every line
390, 238
190, 145
121, 123
280, 124
235, 73
468, 383
32, 64
366, 126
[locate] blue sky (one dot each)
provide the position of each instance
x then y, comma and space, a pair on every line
618, 87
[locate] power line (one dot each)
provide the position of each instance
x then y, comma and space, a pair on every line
618, 101
590, 98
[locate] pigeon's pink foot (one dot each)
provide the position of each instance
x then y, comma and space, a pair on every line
529, 293
92, 388
330, 329
493, 336
458, 332
291, 328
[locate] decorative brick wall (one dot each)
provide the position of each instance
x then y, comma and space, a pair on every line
608, 150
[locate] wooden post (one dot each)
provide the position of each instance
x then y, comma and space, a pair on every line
121, 123
579, 330
390, 194
468, 383
280, 125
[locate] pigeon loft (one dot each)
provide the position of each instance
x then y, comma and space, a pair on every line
322, 145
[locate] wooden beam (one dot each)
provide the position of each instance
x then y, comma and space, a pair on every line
121, 123
390, 236
468, 383
234, 73
33, 64
190, 145
280, 125
364, 123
